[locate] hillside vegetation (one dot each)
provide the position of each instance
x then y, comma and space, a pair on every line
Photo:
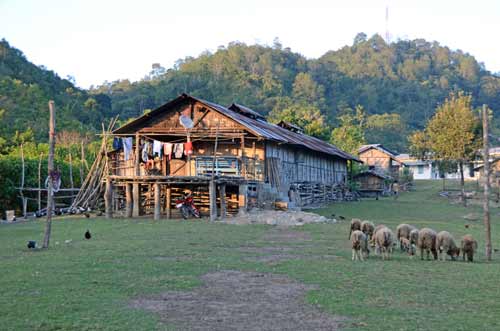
397, 86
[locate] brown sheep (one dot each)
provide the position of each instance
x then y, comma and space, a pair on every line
377, 228
355, 225
445, 244
384, 240
403, 231
359, 245
469, 246
427, 242
368, 227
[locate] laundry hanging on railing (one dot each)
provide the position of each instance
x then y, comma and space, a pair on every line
127, 147
178, 150
168, 150
158, 149
117, 143
188, 148
145, 151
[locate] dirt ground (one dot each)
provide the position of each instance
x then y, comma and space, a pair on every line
279, 218
236, 300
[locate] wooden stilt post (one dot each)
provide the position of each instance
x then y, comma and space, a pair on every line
136, 186
213, 200
50, 166
137, 154
136, 193
108, 198
242, 199
157, 202
168, 202
222, 196
128, 200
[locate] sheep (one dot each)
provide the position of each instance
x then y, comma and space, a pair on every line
384, 240
367, 227
414, 236
355, 225
403, 231
469, 246
445, 244
359, 245
407, 246
413, 241
427, 242
377, 228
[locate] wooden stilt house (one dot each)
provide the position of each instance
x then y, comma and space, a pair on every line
230, 158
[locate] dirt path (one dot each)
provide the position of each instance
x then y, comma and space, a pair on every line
234, 300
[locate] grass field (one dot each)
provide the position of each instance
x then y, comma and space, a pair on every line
87, 285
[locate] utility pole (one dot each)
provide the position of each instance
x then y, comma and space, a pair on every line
486, 201
50, 198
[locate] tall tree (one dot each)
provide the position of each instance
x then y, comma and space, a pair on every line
453, 133
349, 135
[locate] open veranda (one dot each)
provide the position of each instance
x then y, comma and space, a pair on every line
80, 284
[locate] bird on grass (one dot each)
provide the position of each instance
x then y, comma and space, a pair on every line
87, 235
341, 217
31, 244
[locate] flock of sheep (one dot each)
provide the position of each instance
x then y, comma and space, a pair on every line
364, 234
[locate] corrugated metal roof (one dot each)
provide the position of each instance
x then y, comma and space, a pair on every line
258, 127
246, 111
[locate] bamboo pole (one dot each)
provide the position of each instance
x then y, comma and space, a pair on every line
50, 166
39, 200
486, 201
24, 201
71, 184
82, 157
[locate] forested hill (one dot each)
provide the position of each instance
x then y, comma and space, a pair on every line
405, 78
397, 85
25, 90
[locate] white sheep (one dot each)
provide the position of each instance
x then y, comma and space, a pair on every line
359, 245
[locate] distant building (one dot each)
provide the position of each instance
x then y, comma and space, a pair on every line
421, 169
380, 159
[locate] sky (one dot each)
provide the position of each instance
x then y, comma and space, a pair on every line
98, 40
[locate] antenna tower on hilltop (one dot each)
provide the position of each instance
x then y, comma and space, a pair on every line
387, 35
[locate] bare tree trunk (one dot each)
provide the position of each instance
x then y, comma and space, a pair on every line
486, 201
50, 198
462, 184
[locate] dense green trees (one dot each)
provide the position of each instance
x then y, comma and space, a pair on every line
401, 83
25, 90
